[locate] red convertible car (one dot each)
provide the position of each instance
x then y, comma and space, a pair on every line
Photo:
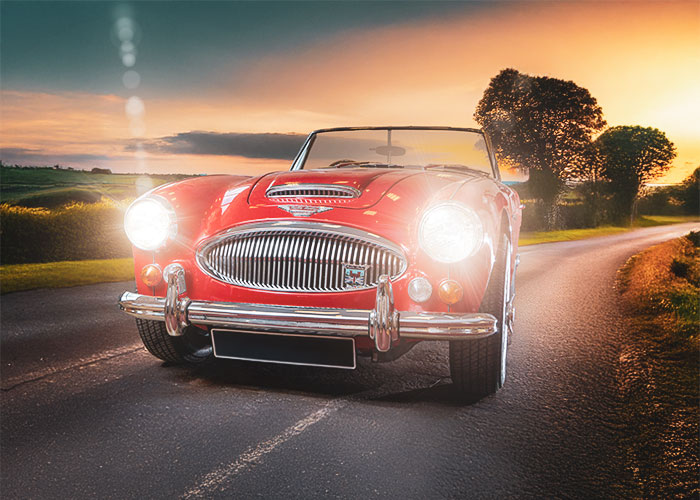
376, 239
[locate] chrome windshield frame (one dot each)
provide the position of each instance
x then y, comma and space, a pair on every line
300, 159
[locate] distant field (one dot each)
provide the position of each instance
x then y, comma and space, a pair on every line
48, 187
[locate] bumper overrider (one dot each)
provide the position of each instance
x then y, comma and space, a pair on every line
383, 324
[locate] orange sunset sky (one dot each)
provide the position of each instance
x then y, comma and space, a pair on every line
303, 68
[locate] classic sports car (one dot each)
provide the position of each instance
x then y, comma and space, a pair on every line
376, 239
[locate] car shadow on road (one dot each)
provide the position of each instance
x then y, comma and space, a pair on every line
401, 382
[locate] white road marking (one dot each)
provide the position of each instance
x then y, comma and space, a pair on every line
218, 477
13, 382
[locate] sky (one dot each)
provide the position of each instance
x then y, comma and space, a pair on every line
234, 87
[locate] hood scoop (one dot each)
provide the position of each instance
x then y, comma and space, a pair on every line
304, 191
355, 188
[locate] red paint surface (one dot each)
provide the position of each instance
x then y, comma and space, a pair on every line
390, 206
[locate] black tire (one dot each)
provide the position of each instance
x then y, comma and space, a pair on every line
478, 366
192, 347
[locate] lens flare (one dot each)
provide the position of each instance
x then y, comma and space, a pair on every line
129, 59
127, 47
134, 106
131, 79
125, 29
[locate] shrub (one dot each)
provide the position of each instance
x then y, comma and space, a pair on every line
664, 282
74, 232
680, 267
694, 238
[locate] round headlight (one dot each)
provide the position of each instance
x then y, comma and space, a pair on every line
149, 223
450, 232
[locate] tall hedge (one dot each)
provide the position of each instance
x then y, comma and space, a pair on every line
74, 232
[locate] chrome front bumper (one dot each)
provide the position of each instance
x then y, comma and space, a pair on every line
383, 324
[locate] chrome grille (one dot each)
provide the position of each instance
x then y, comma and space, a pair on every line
312, 191
298, 257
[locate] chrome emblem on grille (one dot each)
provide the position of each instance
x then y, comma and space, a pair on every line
303, 210
354, 275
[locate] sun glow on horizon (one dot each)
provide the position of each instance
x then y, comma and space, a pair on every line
641, 62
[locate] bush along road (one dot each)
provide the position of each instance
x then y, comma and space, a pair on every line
661, 291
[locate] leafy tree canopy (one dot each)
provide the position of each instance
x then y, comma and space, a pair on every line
633, 155
539, 123
689, 192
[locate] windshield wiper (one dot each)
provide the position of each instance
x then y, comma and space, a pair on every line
363, 164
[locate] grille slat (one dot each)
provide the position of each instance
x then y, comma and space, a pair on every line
274, 268
342, 257
295, 260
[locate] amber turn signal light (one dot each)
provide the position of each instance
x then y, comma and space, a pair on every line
450, 292
151, 275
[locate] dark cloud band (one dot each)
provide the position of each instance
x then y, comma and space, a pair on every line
269, 146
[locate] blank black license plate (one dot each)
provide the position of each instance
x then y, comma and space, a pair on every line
290, 349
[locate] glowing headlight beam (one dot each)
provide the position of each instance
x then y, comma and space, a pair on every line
450, 232
150, 222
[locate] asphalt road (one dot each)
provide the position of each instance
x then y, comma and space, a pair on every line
86, 412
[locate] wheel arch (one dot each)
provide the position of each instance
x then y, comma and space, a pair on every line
505, 226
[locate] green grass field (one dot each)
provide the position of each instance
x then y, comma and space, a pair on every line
18, 277
50, 188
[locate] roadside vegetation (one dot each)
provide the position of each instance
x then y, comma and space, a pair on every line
535, 237
73, 232
662, 284
18, 277
661, 290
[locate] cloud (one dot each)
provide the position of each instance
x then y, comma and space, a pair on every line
249, 145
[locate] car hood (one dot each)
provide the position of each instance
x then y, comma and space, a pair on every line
369, 185
386, 199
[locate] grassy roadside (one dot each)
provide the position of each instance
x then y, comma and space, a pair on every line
660, 288
535, 237
17, 277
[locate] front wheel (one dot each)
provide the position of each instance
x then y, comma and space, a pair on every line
478, 366
191, 347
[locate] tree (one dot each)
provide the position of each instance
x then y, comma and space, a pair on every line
632, 156
689, 193
541, 124
98, 170
592, 185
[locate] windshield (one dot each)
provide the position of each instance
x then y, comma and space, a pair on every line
398, 148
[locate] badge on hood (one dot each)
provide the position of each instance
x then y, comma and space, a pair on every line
303, 210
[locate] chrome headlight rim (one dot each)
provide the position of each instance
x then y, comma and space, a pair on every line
170, 231
470, 213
